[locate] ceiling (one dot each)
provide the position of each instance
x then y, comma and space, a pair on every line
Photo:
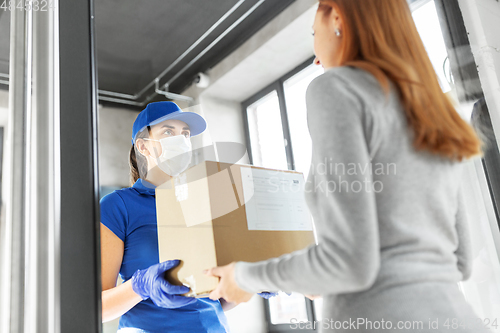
137, 41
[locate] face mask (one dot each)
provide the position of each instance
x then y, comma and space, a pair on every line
175, 154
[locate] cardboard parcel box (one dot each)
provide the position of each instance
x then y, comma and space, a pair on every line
216, 213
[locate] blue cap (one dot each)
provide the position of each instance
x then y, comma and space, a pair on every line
156, 112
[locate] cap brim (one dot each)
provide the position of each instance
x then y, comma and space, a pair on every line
196, 122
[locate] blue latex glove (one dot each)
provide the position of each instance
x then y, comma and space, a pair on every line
151, 283
267, 295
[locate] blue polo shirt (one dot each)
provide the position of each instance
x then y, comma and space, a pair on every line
130, 214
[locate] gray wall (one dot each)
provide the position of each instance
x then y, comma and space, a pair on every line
115, 131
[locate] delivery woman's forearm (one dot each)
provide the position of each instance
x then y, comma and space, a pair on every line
118, 300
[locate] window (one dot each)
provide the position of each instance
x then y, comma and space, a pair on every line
276, 119
295, 88
266, 134
427, 22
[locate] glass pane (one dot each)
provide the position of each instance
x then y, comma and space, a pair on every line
286, 309
266, 133
295, 97
482, 289
427, 22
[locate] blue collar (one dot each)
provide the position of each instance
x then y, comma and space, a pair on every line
144, 187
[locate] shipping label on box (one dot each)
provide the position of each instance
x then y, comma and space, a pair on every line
274, 200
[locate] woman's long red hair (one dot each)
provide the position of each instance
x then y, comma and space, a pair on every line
380, 37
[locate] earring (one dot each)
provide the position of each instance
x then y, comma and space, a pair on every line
337, 32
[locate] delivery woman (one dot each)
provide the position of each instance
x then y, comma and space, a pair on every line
146, 302
392, 232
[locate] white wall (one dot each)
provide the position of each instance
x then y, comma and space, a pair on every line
280, 46
224, 123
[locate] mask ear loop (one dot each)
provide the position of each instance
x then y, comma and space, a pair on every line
149, 137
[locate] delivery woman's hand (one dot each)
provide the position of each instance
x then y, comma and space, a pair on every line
227, 287
151, 283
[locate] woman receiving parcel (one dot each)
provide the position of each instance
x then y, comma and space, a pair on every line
146, 302
393, 241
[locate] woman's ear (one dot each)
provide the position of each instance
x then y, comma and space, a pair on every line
335, 19
140, 146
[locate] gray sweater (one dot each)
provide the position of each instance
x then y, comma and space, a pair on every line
385, 214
